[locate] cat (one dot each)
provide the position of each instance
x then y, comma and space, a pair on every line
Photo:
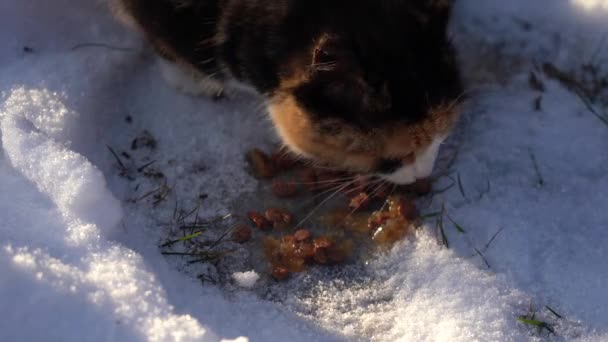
368, 86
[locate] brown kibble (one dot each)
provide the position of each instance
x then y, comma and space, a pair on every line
241, 234
392, 231
288, 239
288, 246
304, 250
280, 218
284, 189
377, 219
359, 202
280, 273
322, 242
259, 220
261, 164
422, 187
400, 207
321, 246
273, 214
302, 235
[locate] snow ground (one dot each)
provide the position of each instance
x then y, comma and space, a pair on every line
79, 260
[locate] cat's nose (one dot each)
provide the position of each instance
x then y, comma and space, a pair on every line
416, 166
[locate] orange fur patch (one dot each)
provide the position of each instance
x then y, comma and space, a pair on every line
351, 149
411, 138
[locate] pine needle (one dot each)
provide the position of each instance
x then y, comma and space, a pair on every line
460, 229
461, 187
493, 238
483, 258
553, 312
122, 166
541, 180
430, 215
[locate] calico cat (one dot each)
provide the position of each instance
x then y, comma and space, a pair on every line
369, 86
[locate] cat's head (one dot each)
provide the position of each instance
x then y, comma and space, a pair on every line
374, 89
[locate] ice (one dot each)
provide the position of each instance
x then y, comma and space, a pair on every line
246, 279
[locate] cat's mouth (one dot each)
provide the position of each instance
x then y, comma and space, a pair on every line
420, 168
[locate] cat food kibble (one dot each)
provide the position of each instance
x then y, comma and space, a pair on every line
392, 225
322, 242
260, 221
304, 250
294, 251
241, 234
302, 235
404, 208
359, 202
280, 218
261, 164
280, 273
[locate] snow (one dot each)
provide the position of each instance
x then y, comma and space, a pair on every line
79, 257
246, 279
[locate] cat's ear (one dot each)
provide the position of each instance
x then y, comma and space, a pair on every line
327, 53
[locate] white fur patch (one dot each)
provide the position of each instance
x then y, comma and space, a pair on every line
422, 168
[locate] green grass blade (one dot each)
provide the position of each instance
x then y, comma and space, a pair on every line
183, 239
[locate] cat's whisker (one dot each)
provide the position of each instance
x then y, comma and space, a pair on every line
315, 209
388, 197
381, 183
325, 167
316, 196
325, 181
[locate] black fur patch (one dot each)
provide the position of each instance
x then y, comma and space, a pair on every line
393, 60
